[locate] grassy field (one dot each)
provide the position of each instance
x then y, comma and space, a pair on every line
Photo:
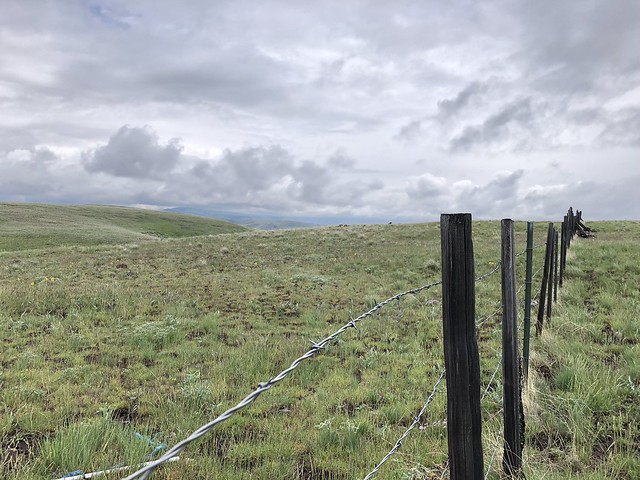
101, 342
28, 226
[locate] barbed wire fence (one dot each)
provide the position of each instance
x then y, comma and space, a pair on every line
145, 470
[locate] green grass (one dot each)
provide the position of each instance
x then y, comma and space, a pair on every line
101, 342
26, 226
584, 410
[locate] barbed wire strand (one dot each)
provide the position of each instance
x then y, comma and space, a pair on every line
540, 245
495, 372
493, 455
445, 470
144, 472
415, 422
489, 317
521, 253
488, 274
537, 272
446, 466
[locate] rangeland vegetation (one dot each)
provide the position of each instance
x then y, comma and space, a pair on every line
105, 340
32, 226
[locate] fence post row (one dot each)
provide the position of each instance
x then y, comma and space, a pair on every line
512, 401
527, 300
462, 364
460, 347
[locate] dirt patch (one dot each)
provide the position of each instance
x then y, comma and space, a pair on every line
600, 449
546, 441
126, 414
544, 371
16, 447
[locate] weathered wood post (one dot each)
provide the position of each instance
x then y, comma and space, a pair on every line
513, 435
563, 247
545, 280
527, 300
572, 225
464, 419
551, 270
555, 267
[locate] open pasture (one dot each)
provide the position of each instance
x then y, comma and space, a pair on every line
101, 342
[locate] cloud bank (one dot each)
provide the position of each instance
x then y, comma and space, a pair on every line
384, 110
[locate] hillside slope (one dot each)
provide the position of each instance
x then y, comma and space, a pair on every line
26, 226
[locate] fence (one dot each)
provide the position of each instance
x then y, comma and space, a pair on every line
461, 357
462, 371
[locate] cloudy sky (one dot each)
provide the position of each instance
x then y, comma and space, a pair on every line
381, 109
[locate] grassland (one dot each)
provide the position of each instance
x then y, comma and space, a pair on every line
27, 226
104, 341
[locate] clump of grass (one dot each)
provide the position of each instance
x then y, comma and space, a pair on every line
95, 444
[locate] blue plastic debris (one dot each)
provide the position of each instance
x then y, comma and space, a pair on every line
157, 446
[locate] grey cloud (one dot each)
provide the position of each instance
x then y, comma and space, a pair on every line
238, 74
496, 199
310, 184
619, 200
409, 132
340, 160
623, 130
25, 177
134, 152
574, 48
586, 116
15, 139
452, 106
427, 186
37, 176
239, 173
256, 175
494, 128
113, 17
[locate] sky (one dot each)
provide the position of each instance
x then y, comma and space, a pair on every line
387, 110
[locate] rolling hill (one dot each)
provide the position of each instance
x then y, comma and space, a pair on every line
26, 226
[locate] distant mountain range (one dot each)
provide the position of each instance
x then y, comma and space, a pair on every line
270, 221
255, 221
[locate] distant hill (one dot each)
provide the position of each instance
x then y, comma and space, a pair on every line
254, 221
26, 226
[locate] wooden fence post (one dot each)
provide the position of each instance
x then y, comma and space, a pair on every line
512, 458
563, 248
464, 419
545, 280
551, 270
572, 225
527, 300
555, 267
